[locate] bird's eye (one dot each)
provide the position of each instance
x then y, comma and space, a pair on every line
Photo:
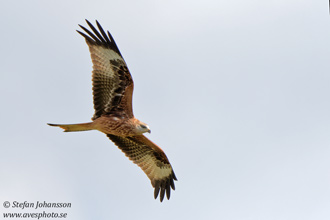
143, 126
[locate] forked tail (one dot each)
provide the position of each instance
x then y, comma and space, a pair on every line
75, 127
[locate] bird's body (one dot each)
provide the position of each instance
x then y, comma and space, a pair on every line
112, 93
109, 124
120, 126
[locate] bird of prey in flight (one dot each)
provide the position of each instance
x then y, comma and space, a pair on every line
112, 96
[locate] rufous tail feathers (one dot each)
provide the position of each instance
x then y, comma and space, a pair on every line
75, 127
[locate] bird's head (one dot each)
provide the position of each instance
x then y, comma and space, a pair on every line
143, 127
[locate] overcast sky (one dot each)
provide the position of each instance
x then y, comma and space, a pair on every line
235, 92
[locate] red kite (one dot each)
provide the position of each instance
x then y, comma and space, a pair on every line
112, 94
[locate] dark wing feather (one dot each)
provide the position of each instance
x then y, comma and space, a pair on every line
151, 159
112, 81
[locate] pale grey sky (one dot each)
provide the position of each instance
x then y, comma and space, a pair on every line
235, 92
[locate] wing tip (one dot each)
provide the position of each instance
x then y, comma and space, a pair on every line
99, 37
163, 187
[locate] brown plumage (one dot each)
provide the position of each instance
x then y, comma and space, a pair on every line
112, 95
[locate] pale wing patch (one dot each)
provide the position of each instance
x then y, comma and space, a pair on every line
101, 58
154, 169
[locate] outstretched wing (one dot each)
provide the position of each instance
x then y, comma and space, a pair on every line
112, 81
152, 161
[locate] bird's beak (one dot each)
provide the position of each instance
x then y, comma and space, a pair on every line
149, 131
